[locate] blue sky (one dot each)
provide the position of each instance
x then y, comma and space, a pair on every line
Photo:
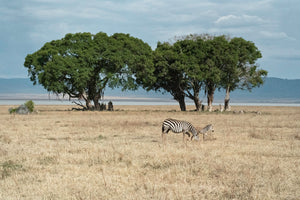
273, 25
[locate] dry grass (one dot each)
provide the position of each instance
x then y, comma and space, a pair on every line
63, 154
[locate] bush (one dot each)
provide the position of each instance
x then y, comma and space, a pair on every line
23, 109
12, 110
29, 105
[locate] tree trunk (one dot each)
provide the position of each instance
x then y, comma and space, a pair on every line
97, 104
182, 104
227, 99
197, 103
96, 99
88, 104
195, 98
210, 99
181, 101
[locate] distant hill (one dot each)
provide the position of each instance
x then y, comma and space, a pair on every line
274, 90
19, 85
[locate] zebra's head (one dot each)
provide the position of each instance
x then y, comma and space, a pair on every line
196, 137
206, 129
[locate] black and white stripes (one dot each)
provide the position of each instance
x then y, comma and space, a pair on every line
178, 126
206, 129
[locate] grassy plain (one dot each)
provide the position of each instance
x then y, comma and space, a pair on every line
62, 154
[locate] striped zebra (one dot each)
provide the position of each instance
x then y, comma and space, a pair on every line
206, 129
178, 126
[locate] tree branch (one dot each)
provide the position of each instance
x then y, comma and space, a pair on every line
79, 104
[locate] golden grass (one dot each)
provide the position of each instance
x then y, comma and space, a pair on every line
62, 154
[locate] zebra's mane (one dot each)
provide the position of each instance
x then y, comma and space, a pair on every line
193, 128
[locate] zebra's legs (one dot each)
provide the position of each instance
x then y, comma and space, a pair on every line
163, 137
183, 138
188, 134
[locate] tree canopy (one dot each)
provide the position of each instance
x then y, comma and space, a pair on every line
169, 72
239, 70
196, 62
81, 65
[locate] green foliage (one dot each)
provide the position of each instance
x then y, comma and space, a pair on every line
82, 65
12, 110
30, 105
186, 66
169, 72
203, 61
239, 68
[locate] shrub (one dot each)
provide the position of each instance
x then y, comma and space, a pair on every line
25, 108
29, 105
12, 110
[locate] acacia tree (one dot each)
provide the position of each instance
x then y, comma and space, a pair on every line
167, 74
192, 55
212, 62
217, 62
178, 69
239, 70
212, 70
81, 65
204, 57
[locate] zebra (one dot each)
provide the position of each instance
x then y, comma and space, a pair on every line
178, 126
206, 129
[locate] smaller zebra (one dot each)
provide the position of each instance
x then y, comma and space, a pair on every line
206, 129
178, 126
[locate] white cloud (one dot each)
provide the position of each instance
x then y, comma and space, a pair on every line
239, 20
69, 13
27, 25
275, 35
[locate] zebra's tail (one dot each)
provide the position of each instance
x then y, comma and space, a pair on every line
162, 128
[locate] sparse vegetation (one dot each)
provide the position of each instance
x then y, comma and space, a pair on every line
119, 155
26, 108
30, 105
101, 137
12, 110
8, 167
